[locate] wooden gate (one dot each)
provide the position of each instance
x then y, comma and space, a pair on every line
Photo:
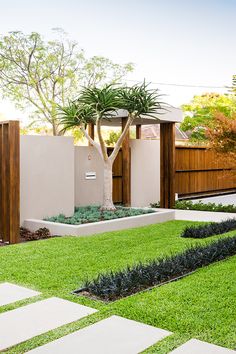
9, 181
117, 177
199, 171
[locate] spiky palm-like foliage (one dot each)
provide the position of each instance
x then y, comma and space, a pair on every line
140, 100
75, 115
104, 101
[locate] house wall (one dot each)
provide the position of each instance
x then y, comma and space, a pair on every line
47, 176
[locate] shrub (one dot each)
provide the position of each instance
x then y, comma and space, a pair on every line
189, 205
214, 228
27, 235
42, 233
115, 285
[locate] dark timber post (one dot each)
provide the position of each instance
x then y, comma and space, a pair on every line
10, 181
167, 157
138, 131
91, 131
126, 190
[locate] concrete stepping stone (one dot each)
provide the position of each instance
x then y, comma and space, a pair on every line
40, 317
10, 293
114, 335
195, 346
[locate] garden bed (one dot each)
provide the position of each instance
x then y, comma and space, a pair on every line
214, 228
112, 285
90, 214
136, 218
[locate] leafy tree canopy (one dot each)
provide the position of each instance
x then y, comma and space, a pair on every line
222, 139
38, 74
200, 112
222, 136
232, 89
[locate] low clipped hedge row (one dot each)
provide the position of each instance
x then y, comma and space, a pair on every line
214, 228
189, 205
115, 285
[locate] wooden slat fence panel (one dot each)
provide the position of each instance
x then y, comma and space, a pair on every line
200, 171
9, 181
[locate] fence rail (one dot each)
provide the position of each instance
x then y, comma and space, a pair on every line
200, 171
9, 181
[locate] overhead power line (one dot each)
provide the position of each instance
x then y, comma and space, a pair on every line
182, 85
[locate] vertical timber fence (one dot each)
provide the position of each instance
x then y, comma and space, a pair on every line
199, 171
9, 181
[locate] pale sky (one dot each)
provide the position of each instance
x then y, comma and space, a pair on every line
169, 41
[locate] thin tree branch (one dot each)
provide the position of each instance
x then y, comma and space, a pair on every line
92, 142
121, 138
100, 138
31, 54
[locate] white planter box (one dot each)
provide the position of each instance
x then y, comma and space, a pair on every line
102, 226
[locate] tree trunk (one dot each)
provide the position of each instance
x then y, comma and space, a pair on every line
107, 187
56, 131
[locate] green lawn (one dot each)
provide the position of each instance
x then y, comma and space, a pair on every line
201, 305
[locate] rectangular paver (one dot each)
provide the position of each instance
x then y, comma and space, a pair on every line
34, 319
10, 293
114, 335
195, 346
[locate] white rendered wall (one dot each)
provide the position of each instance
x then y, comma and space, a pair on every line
53, 175
145, 172
88, 191
47, 176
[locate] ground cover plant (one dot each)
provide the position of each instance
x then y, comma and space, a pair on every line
114, 285
189, 205
89, 214
190, 308
214, 228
